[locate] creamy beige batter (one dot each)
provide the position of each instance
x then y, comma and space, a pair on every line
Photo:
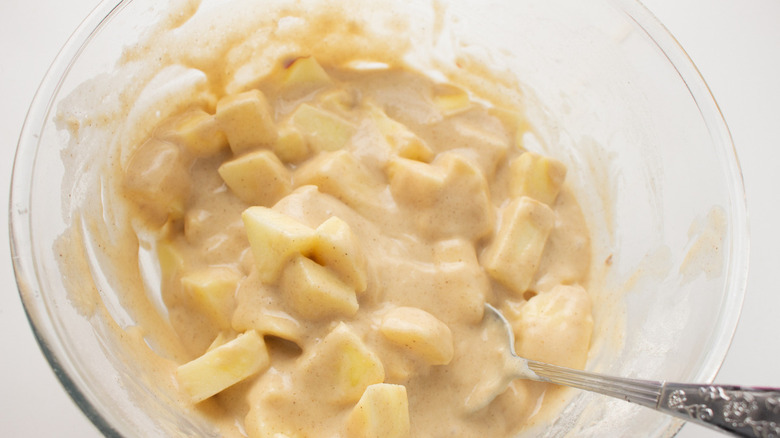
329, 220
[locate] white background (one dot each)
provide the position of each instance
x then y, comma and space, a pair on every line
735, 44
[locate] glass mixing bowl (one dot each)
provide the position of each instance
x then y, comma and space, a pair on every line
613, 96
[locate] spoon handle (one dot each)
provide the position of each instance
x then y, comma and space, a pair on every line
741, 411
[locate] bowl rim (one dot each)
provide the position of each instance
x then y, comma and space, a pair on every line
739, 229
25, 268
20, 232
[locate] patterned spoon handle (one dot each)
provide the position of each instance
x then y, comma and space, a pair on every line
741, 411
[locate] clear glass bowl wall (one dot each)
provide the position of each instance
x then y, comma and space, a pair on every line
616, 99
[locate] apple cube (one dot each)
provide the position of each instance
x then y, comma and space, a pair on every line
342, 361
277, 323
222, 338
303, 76
274, 238
489, 140
455, 251
212, 291
170, 258
413, 182
382, 412
450, 196
450, 99
419, 332
337, 101
555, 326
200, 133
341, 175
536, 176
513, 256
515, 122
247, 120
323, 130
291, 147
337, 248
196, 224
466, 283
257, 178
258, 308
157, 178
315, 292
223, 366
403, 141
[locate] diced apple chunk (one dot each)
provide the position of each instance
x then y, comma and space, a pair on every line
323, 130
196, 224
304, 75
315, 292
247, 120
337, 248
199, 132
403, 141
222, 338
337, 100
274, 238
514, 121
212, 291
450, 196
460, 274
170, 258
158, 180
413, 182
257, 178
280, 325
555, 326
343, 362
341, 175
513, 256
258, 307
420, 332
450, 99
455, 251
490, 140
382, 412
223, 366
291, 147
536, 176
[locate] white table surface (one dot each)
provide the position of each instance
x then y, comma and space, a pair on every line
735, 44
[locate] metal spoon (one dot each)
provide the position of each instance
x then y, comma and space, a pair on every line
738, 410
